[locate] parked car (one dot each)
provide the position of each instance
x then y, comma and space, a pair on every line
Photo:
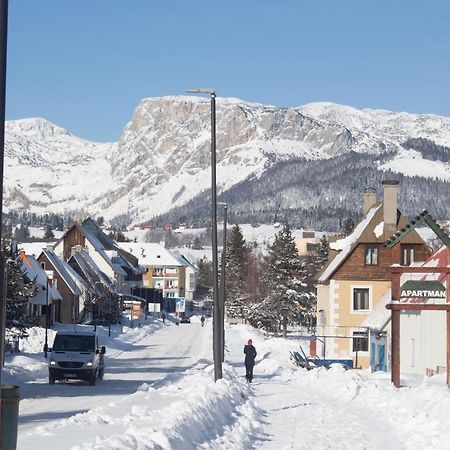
76, 355
185, 320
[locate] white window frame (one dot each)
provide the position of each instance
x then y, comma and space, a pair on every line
352, 290
373, 251
409, 251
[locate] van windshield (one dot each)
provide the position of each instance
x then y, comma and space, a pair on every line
74, 343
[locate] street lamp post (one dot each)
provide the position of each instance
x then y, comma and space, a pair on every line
49, 276
110, 313
216, 313
111, 291
222, 281
46, 321
3, 52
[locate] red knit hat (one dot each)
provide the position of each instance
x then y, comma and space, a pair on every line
249, 342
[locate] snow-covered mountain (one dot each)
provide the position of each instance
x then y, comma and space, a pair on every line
162, 159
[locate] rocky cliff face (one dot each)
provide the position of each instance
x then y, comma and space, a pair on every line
163, 157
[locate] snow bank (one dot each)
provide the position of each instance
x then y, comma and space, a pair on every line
192, 412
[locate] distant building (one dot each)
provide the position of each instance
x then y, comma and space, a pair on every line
175, 275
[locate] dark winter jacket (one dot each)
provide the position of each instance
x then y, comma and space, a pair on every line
250, 354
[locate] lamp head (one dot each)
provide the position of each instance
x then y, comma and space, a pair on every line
210, 91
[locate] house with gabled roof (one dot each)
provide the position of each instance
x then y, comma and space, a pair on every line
118, 265
101, 289
357, 276
47, 297
73, 288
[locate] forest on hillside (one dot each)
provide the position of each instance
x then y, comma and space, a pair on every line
315, 194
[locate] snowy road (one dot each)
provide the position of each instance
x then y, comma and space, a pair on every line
159, 393
151, 358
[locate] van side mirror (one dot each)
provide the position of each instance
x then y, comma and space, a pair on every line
103, 350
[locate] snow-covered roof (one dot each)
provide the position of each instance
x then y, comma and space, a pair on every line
187, 262
33, 270
34, 248
104, 246
346, 245
90, 269
379, 317
151, 254
70, 277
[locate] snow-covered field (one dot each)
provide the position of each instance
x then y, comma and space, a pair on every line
158, 393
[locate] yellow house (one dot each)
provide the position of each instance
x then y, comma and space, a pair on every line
357, 277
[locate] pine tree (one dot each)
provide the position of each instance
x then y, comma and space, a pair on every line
283, 293
22, 232
236, 268
48, 234
19, 290
347, 226
205, 275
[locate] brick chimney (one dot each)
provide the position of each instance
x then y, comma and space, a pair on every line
390, 189
370, 199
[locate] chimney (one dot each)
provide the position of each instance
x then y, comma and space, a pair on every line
76, 249
390, 189
370, 199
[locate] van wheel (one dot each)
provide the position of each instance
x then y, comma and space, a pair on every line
51, 380
93, 379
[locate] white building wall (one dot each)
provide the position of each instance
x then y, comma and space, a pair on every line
422, 341
190, 287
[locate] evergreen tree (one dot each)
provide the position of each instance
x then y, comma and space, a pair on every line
196, 245
312, 266
19, 290
118, 236
347, 226
205, 274
236, 270
283, 293
48, 234
21, 232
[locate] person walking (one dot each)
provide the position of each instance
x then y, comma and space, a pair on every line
163, 317
250, 355
202, 320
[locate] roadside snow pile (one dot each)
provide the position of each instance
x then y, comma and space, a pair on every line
189, 413
34, 343
418, 414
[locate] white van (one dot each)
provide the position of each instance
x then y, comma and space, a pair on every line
76, 355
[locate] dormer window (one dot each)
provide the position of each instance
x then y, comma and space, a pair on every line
371, 255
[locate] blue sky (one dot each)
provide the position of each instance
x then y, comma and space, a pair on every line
86, 64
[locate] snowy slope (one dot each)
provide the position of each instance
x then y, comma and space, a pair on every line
49, 170
162, 159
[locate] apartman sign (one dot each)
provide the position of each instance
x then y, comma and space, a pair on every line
423, 289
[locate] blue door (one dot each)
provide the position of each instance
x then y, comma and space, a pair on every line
382, 357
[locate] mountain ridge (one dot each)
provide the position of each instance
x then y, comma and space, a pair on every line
162, 159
